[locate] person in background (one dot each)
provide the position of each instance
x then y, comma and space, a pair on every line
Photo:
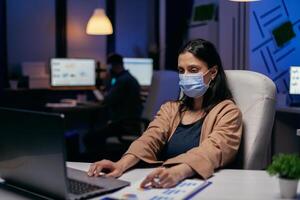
192, 136
123, 103
123, 95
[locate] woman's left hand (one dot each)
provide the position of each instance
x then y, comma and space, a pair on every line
167, 177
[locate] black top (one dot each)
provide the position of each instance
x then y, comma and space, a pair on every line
183, 139
123, 98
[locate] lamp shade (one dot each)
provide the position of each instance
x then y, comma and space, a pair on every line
244, 0
99, 24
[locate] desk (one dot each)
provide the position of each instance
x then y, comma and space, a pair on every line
88, 113
226, 184
288, 109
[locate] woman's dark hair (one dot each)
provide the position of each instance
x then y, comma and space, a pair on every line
218, 89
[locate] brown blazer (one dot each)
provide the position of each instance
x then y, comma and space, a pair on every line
219, 141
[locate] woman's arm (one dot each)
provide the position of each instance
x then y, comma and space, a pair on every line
112, 169
128, 161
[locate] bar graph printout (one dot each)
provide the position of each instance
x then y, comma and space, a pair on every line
184, 190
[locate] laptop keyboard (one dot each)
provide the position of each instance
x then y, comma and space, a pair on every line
78, 187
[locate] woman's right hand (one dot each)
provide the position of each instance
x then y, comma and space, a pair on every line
107, 168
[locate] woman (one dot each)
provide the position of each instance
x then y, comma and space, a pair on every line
193, 136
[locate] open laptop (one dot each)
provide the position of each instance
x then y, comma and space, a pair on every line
32, 157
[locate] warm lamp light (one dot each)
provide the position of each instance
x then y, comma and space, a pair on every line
99, 24
244, 0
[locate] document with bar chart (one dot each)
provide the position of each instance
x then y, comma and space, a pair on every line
184, 190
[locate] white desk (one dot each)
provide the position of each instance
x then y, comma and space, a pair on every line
226, 184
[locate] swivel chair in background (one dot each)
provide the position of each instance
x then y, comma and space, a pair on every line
164, 88
255, 95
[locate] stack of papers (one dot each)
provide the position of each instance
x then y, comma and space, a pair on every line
60, 105
184, 190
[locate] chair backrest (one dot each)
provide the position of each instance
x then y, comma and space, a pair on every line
164, 88
255, 95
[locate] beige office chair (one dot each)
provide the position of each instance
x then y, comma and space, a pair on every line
254, 94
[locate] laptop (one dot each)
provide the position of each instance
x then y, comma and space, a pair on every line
32, 158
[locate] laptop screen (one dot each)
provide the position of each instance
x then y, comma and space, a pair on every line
32, 151
32, 157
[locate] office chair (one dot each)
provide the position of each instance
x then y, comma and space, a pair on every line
254, 94
164, 88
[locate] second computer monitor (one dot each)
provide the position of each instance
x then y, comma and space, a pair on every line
140, 68
72, 73
293, 98
295, 80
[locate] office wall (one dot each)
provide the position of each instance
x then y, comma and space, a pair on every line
162, 34
265, 55
177, 20
234, 34
79, 44
132, 27
247, 42
3, 65
229, 32
30, 31
206, 29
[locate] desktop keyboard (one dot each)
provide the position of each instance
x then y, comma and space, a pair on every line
78, 187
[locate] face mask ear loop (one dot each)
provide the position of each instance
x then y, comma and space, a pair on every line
209, 82
210, 78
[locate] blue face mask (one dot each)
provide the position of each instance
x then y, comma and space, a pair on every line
193, 85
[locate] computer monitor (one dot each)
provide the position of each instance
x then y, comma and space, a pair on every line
295, 80
72, 73
293, 99
140, 68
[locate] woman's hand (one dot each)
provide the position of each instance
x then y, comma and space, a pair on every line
107, 168
113, 169
167, 177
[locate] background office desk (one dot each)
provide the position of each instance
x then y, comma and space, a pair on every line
284, 135
226, 184
79, 121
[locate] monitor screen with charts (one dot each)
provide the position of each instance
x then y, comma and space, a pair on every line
72, 73
295, 80
140, 68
